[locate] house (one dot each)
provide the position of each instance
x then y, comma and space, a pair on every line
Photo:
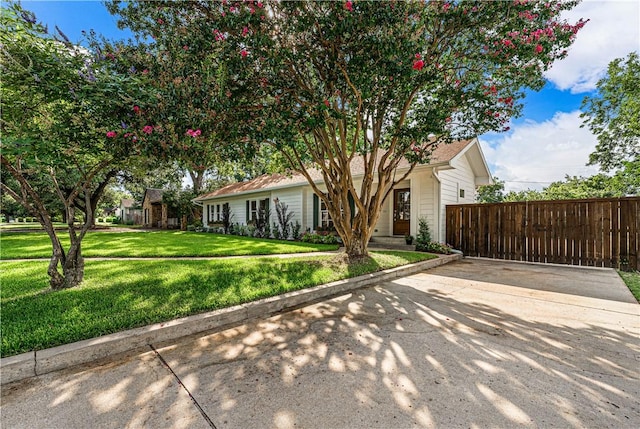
451, 177
128, 212
155, 212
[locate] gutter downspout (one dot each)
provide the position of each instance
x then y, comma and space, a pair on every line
439, 198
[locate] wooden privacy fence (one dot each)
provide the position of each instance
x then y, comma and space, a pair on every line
594, 232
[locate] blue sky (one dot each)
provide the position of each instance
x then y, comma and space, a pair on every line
544, 144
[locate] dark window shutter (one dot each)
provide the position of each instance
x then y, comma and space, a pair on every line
316, 211
266, 208
248, 212
352, 205
208, 213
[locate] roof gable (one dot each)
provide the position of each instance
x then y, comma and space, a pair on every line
154, 195
443, 154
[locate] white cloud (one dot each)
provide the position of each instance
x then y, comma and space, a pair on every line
535, 154
612, 32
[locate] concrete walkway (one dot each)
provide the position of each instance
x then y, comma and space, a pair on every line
473, 343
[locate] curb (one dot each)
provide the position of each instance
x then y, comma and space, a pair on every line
34, 363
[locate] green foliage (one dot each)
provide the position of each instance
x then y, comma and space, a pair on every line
613, 114
123, 295
632, 280
308, 237
402, 71
56, 152
493, 193
423, 240
624, 182
424, 233
284, 217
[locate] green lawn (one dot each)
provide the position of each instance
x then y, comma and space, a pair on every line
119, 295
152, 244
632, 280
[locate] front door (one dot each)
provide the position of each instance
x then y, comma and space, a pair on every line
401, 211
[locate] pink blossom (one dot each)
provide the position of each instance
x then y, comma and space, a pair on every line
418, 64
259, 4
446, 7
418, 56
193, 133
219, 35
349, 5
136, 109
326, 103
160, 21
244, 53
148, 129
185, 47
538, 49
145, 71
111, 134
245, 31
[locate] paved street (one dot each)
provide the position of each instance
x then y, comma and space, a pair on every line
474, 343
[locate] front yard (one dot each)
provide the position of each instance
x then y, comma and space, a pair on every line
152, 244
119, 295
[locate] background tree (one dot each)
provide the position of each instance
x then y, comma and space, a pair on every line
325, 82
61, 104
613, 114
493, 193
625, 182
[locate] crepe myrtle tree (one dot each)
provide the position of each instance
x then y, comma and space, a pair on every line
190, 113
325, 82
59, 101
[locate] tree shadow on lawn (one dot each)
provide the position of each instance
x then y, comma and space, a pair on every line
393, 355
119, 295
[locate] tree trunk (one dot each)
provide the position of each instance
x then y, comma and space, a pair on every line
355, 247
72, 272
72, 264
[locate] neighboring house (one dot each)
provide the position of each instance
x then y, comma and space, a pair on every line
451, 177
129, 213
156, 213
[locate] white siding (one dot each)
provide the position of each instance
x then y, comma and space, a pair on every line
292, 198
426, 201
452, 181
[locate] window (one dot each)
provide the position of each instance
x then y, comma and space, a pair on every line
218, 213
461, 193
254, 207
325, 219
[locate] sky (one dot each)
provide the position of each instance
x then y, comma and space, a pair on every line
543, 145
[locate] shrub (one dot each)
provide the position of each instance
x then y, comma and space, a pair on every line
424, 234
296, 230
308, 237
424, 243
284, 218
262, 229
276, 231
434, 247
227, 217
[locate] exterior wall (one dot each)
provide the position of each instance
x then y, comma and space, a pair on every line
452, 181
293, 199
427, 194
426, 201
148, 209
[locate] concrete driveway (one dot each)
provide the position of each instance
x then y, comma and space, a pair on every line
471, 344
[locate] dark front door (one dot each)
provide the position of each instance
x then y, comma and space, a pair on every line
401, 211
